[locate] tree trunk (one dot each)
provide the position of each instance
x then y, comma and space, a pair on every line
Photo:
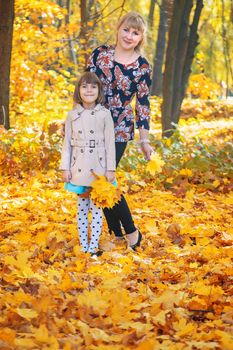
159, 52
168, 80
151, 14
182, 42
6, 32
71, 41
192, 44
181, 53
83, 30
226, 49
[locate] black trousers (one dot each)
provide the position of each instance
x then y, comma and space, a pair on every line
119, 215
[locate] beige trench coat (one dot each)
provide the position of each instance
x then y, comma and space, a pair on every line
89, 144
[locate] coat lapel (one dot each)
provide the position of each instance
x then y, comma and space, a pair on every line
76, 112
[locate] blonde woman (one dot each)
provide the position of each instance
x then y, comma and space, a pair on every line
124, 73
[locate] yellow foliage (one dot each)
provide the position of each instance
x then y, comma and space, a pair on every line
155, 164
123, 295
186, 172
202, 87
174, 291
103, 193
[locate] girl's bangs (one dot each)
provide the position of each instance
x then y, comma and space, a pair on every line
89, 78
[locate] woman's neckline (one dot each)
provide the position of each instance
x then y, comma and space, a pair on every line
123, 64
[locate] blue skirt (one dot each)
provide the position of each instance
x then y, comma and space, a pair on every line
79, 189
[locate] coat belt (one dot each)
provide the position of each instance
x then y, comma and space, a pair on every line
87, 143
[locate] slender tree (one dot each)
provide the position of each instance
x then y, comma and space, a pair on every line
159, 51
6, 31
151, 14
165, 14
182, 41
226, 47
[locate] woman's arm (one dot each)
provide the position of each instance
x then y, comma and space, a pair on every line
109, 141
92, 60
145, 143
143, 111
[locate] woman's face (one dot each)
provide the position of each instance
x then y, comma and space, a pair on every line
128, 38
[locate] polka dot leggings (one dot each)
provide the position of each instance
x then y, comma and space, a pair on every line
84, 204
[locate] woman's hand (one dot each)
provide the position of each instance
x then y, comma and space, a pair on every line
147, 150
110, 175
66, 175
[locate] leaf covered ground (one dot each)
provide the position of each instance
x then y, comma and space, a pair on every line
174, 293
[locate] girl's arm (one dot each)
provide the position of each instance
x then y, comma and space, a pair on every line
66, 151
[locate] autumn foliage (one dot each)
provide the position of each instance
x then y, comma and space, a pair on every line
175, 291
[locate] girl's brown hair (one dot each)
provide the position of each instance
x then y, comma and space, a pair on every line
88, 78
136, 21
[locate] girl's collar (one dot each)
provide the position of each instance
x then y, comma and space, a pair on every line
78, 109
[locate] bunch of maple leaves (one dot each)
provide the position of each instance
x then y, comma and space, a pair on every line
103, 193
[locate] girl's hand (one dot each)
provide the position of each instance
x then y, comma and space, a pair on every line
66, 175
147, 150
110, 175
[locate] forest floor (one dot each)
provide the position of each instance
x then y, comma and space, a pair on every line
174, 293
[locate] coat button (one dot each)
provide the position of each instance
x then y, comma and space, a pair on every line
92, 113
82, 150
101, 158
92, 131
79, 170
91, 150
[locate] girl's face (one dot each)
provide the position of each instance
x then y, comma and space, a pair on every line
128, 38
89, 94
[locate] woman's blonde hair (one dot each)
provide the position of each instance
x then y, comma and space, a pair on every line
136, 21
88, 78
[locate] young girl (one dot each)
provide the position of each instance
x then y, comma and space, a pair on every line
89, 146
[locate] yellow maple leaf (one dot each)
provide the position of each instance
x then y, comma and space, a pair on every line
42, 334
216, 183
155, 164
147, 345
103, 193
7, 335
94, 300
186, 172
67, 346
26, 313
24, 343
183, 327
225, 339
160, 318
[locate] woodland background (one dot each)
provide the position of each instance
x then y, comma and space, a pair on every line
176, 291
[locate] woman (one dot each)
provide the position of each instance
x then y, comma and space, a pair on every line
124, 73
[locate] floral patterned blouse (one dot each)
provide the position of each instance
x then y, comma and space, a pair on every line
121, 82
